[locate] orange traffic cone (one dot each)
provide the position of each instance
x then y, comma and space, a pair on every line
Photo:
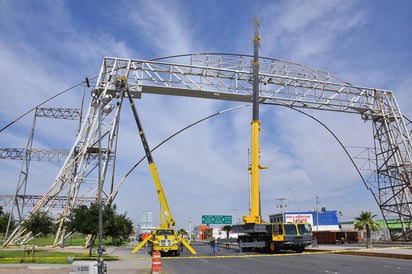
156, 262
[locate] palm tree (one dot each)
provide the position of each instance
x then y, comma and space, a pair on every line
365, 222
227, 228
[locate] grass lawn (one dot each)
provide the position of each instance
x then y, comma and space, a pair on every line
73, 241
45, 257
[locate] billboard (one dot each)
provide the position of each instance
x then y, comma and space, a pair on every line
320, 221
299, 218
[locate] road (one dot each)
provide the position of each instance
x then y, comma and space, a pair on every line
303, 263
230, 261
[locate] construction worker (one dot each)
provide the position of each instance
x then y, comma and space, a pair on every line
213, 246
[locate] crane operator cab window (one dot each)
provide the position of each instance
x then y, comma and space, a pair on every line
290, 229
304, 229
279, 229
165, 232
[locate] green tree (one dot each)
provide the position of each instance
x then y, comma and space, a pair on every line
125, 226
86, 221
110, 226
227, 228
117, 226
37, 223
4, 220
365, 222
182, 232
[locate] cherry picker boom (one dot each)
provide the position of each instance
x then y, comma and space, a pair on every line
254, 233
165, 238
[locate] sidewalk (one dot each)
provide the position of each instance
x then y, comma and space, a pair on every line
127, 264
142, 266
139, 265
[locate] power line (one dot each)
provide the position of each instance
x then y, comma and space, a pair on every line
42, 103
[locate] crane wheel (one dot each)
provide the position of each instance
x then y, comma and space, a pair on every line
272, 247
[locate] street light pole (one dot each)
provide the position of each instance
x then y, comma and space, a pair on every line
99, 195
317, 212
190, 228
103, 105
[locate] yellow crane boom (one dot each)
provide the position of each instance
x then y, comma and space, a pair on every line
166, 219
254, 233
254, 216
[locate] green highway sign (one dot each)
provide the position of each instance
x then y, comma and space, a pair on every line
216, 219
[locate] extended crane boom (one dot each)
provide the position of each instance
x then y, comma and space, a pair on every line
164, 239
254, 216
256, 234
166, 219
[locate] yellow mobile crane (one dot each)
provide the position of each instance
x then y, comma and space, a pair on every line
165, 238
254, 233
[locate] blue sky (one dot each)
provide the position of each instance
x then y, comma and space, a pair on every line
49, 46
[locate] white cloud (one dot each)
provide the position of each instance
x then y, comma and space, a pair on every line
306, 31
161, 27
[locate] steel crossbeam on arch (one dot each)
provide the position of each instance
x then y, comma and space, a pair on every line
228, 77
32, 200
51, 155
59, 113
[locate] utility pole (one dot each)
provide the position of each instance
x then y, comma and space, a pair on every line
99, 197
317, 212
104, 106
190, 228
281, 206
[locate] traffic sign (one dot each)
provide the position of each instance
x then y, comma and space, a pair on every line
216, 219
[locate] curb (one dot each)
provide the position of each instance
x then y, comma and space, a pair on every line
363, 253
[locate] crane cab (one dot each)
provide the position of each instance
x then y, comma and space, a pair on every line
166, 241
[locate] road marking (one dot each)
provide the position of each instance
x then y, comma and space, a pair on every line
241, 255
397, 267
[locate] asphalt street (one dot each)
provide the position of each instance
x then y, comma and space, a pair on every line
330, 261
322, 259
291, 264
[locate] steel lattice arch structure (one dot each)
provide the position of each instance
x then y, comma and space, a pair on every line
229, 77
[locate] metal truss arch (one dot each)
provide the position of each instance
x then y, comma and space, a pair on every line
229, 77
